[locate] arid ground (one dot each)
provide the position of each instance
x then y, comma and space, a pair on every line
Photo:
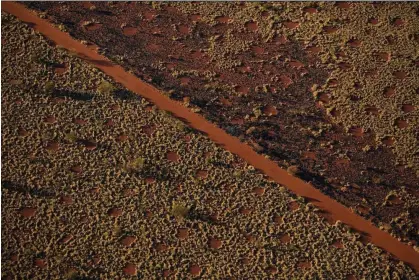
99, 183
328, 90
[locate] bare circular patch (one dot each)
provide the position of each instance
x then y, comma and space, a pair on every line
258, 191
150, 180
115, 212
173, 157
184, 81
337, 244
122, 138
285, 238
356, 131
291, 24
183, 233
60, 69
50, 119
167, 273
400, 123
272, 270
257, 50
28, 212
293, 205
129, 31
354, 43
310, 10
195, 17
184, 29
388, 141
41, 263
278, 219
304, 265
202, 174
270, 110
389, 91
398, 22
242, 89
52, 146
130, 269
195, 270
407, 108
79, 121
223, 19
215, 243
251, 26
343, 5
76, 169
128, 240
91, 26
66, 200
244, 211
400, 75
330, 29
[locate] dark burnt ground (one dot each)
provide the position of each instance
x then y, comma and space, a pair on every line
265, 101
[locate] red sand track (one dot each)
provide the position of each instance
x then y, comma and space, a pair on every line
131, 82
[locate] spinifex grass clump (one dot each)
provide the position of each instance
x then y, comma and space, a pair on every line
106, 88
135, 165
49, 87
71, 137
179, 210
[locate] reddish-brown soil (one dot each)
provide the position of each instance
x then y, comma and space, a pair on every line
289, 113
258, 191
79, 121
128, 240
215, 243
41, 263
66, 200
115, 212
28, 212
378, 237
183, 233
130, 269
304, 265
172, 156
337, 244
285, 238
195, 270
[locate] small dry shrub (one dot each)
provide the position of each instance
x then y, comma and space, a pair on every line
179, 210
106, 87
71, 137
135, 165
49, 87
